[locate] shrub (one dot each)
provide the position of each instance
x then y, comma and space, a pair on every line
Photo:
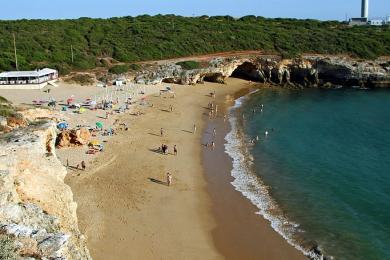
3, 100
82, 79
135, 66
189, 65
132, 39
119, 69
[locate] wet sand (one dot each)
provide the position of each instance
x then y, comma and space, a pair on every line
240, 233
127, 211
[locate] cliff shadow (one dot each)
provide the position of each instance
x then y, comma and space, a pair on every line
247, 71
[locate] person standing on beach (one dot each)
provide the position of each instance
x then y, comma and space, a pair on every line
169, 179
212, 145
194, 129
175, 150
83, 165
214, 132
161, 132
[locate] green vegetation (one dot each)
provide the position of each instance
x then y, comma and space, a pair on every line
82, 79
6, 109
119, 69
7, 248
135, 67
3, 100
189, 65
132, 39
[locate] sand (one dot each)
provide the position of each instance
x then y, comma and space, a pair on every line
127, 211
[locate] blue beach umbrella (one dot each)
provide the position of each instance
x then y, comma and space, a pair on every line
62, 125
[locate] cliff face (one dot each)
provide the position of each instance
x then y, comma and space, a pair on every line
37, 211
308, 71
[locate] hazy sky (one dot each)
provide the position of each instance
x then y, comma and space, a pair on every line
317, 9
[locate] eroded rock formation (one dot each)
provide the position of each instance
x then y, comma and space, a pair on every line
37, 211
74, 137
308, 71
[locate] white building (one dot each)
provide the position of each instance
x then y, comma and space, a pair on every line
35, 79
377, 22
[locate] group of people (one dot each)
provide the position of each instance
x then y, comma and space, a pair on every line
164, 149
213, 110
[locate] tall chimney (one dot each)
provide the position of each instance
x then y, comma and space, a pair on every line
365, 4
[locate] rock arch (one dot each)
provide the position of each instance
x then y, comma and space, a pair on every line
248, 71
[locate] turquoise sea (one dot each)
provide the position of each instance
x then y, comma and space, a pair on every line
323, 172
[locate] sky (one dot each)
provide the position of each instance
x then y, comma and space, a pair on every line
313, 9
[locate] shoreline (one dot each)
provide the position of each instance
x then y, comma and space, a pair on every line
235, 214
126, 210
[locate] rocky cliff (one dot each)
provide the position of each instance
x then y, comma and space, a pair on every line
37, 212
308, 71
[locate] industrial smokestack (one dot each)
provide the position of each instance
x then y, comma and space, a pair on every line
365, 4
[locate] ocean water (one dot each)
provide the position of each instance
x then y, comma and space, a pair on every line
323, 172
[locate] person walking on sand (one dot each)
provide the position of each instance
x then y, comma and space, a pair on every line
194, 129
171, 108
214, 132
175, 150
83, 165
161, 132
212, 145
169, 179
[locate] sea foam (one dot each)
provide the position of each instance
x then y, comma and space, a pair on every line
252, 187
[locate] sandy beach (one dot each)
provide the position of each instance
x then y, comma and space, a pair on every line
127, 211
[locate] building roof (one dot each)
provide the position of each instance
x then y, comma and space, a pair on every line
33, 73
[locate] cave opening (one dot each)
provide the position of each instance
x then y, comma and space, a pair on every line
213, 77
247, 71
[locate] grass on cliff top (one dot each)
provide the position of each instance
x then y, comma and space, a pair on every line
133, 39
189, 65
82, 79
3, 100
6, 109
121, 69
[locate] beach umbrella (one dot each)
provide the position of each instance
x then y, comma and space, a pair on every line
99, 124
62, 125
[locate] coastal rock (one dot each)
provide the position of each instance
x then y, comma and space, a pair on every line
40, 114
16, 122
74, 137
308, 71
37, 211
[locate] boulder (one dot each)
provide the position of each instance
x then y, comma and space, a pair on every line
73, 137
16, 122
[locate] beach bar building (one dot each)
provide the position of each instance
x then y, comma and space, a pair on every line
35, 79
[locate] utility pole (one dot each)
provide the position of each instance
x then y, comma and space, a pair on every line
71, 50
16, 56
